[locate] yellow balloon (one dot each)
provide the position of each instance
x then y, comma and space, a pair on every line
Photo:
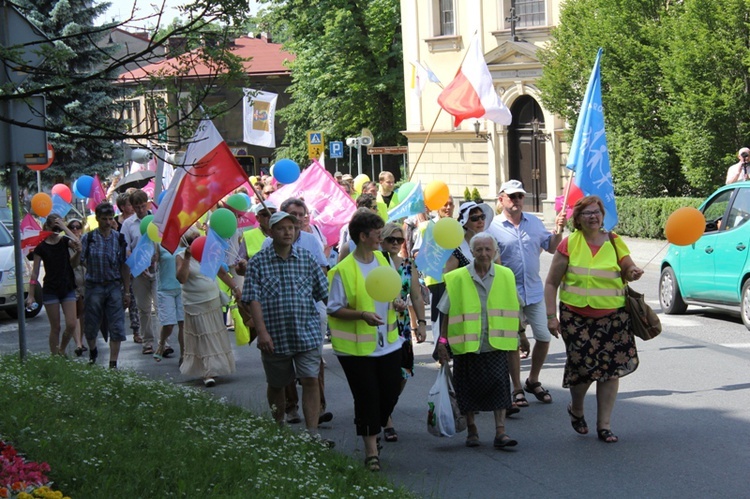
253, 180
359, 181
448, 233
383, 284
153, 232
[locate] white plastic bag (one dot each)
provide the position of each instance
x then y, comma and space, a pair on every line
443, 417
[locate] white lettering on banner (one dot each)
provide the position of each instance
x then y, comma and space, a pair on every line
596, 159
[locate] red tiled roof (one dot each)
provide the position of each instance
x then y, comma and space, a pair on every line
265, 59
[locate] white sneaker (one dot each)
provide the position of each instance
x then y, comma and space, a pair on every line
209, 382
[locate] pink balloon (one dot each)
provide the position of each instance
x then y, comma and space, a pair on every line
63, 191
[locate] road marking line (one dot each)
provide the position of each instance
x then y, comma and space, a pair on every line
670, 320
735, 345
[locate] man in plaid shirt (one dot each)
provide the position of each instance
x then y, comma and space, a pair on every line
282, 284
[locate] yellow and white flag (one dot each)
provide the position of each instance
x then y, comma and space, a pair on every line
258, 117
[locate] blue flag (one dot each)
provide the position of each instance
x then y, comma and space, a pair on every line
432, 257
589, 156
213, 254
413, 204
140, 258
60, 206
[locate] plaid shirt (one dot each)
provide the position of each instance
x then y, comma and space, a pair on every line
287, 291
103, 257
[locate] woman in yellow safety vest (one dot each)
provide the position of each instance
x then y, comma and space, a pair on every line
364, 334
589, 267
479, 320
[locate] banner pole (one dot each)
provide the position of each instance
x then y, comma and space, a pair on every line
565, 200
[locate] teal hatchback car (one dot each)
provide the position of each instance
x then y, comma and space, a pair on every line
715, 270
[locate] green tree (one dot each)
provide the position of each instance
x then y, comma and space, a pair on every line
467, 194
675, 87
476, 197
348, 71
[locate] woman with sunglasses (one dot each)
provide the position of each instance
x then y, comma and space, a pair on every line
79, 272
473, 217
393, 242
59, 288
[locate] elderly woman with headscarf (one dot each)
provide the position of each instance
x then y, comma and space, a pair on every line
480, 318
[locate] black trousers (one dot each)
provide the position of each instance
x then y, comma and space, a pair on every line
375, 383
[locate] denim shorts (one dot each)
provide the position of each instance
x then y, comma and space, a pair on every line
53, 299
104, 301
169, 307
536, 317
283, 369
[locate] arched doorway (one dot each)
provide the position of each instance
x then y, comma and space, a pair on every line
526, 154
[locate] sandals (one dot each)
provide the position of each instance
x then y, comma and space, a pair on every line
503, 440
578, 423
390, 435
159, 354
372, 463
472, 439
606, 435
520, 399
537, 390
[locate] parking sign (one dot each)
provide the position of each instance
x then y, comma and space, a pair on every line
336, 149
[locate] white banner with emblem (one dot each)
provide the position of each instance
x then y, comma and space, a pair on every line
258, 117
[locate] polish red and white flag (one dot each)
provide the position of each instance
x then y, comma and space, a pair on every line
471, 94
209, 173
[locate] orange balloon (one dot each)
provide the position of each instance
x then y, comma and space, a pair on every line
41, 203
685, 226
436, 194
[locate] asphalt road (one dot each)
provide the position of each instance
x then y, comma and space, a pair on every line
682, 417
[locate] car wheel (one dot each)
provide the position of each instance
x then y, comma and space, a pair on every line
745, 304
669, 293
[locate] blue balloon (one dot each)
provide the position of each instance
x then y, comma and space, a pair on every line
82, 186
161, 196
247, 198
286, 171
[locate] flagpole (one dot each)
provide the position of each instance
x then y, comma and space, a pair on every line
560, 230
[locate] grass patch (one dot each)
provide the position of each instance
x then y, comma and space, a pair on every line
108, 433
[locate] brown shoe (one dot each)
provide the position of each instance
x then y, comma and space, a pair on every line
137, 338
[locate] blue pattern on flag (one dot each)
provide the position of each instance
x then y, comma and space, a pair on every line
140, 258
60, 206
589, 156
432, 257
213, 254
413, 204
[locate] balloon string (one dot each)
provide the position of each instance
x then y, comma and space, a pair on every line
655, 254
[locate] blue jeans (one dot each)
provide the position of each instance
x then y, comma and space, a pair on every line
104, 301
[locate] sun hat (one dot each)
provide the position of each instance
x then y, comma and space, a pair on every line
465, 209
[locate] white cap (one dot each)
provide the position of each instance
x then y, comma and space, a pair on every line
279, 216
511, 187
269, 204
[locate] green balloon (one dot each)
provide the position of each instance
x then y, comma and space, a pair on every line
223, 222
144, 223
405, 190
238, 202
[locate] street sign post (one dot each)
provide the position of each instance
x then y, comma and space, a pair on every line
315, 144
336, 149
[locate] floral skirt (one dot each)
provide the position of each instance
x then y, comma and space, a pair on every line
597, 349
481, 381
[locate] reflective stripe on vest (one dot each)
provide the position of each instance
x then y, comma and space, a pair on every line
253, 240
465, 317
357, 337
592, 280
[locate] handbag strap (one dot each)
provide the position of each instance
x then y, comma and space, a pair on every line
617, 255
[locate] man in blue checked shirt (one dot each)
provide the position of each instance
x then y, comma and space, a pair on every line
282, 284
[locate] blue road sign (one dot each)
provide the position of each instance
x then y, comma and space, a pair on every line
336, 149
316, 138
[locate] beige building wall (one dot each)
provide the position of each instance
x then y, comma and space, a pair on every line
456, 155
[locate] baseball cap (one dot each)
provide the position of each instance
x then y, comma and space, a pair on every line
511, 187
338, 174
347, 177
269, 204
465, 209
279, 216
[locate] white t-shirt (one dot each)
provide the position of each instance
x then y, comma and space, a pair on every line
337, 300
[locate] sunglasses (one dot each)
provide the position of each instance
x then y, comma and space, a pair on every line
75, 227
476, 218
394, 240
516, 196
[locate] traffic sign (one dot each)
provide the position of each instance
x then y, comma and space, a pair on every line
336, 149
315, 144
388, 150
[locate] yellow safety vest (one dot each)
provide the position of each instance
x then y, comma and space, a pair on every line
592, 280
357, 337
383, 211
253, 240
465, 314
